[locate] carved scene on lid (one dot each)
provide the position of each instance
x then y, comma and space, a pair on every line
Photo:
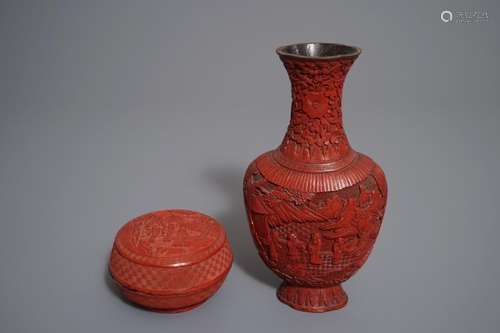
169, 234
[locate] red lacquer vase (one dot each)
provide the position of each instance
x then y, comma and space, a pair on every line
315, 205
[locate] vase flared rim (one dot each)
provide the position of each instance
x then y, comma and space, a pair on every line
318, 51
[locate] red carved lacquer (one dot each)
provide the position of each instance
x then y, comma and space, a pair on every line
315, 205
170, 260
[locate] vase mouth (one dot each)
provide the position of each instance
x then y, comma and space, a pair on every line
318, 51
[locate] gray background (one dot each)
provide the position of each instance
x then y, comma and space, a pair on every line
110, 109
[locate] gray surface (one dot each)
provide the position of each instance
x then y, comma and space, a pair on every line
114, 108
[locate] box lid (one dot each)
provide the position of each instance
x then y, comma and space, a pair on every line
170, 238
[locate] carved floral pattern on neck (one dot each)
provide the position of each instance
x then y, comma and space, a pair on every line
315, 133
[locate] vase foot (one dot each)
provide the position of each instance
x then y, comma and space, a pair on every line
312, 299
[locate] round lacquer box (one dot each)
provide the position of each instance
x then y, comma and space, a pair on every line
170, 260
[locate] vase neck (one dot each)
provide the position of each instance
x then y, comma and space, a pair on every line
315, 133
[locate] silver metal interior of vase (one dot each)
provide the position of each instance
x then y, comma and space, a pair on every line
318, 50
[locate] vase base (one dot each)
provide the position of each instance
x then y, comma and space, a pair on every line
312, 299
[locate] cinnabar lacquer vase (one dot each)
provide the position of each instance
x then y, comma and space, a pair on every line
315, 205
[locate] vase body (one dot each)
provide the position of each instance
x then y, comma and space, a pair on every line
315, 205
